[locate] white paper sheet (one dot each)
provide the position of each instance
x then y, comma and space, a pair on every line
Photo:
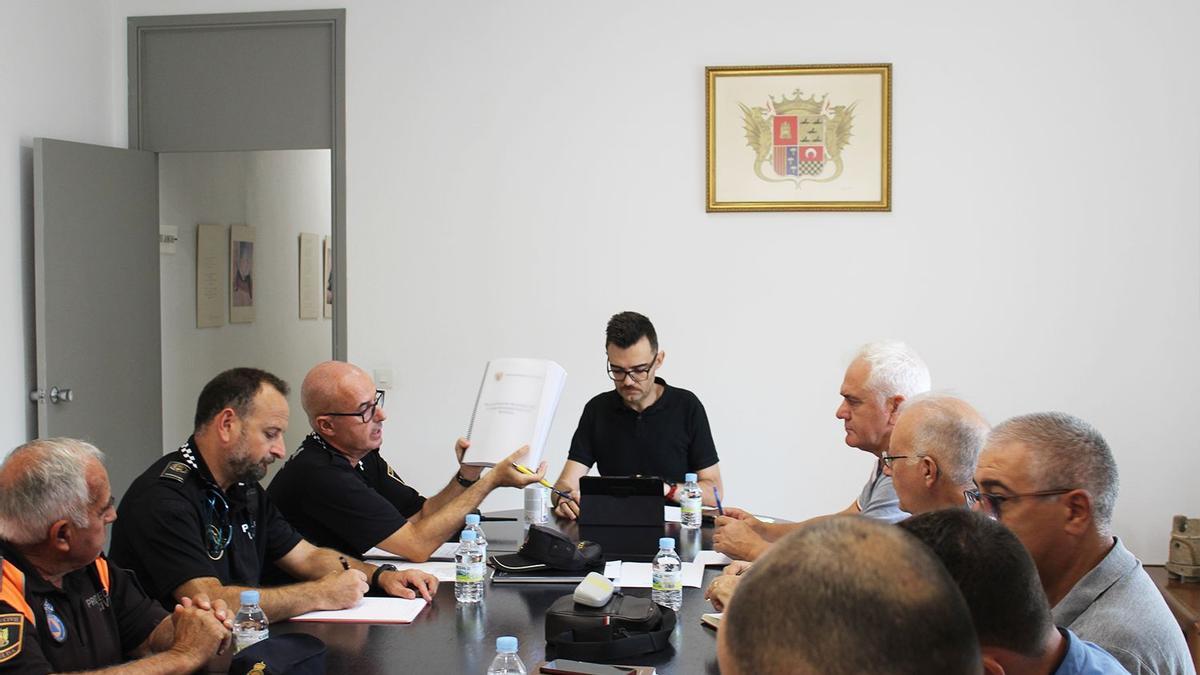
705, 558
371, 610
638, 575
672, 514
612, 569
443, 552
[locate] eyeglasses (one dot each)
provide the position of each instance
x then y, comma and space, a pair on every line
638, 373
992, 504
367, 414
888, 459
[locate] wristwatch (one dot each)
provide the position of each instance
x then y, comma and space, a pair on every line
464, 481
378, 571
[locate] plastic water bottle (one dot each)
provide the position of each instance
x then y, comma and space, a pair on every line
689, 502
535, 505
480, 539
506, 662
250, 623
667, 576
468, 570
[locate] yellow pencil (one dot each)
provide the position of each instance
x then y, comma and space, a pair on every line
529, 472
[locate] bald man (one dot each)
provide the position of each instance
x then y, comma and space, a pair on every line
935, 446
338, 491
848, 595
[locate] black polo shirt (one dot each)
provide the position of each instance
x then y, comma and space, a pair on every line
333, 503
88, 624
668, 439
174, 517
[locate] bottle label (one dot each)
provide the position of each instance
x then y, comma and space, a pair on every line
468, 573
689, 505
667, 581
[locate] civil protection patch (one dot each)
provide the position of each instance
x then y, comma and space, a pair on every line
11, 628
175, 471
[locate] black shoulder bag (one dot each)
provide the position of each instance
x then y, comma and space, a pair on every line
626, 626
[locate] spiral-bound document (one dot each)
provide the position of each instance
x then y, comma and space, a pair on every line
515, 406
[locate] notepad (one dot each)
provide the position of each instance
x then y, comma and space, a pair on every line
444, 571
706, 558
371, 610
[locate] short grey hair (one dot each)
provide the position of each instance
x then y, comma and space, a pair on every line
1067, 453
952, 431
44, 481
896, 369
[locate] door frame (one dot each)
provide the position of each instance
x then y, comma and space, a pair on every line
140, 26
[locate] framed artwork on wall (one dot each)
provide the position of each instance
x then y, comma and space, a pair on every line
799, 138
241, 274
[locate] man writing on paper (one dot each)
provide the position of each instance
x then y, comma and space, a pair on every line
338, 491
880, 378
197, 521
63, 606
644, 426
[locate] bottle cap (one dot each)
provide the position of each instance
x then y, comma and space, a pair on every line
506, 644
689, 478
468, 535
666, 542
472, 518
249, 597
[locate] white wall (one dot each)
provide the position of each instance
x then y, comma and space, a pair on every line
54, 81
280, 194
1042, 250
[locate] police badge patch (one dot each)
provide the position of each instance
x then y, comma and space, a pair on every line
11, 628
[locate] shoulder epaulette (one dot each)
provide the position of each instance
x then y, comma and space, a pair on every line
176, 471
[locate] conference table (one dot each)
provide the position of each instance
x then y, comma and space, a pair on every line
451, 638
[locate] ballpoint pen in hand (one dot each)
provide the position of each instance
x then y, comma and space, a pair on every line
717, 496
528, 472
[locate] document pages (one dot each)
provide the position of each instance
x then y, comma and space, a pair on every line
514, 407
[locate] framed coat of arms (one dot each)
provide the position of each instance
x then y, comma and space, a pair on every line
799, 138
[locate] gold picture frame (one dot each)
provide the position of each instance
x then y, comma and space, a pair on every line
798, 138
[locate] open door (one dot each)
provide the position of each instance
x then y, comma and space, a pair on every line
97, 311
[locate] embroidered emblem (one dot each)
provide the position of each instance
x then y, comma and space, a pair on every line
11, 628
392, 474
175, 471
260, 667
58, 629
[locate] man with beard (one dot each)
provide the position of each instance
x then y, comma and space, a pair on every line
197, 521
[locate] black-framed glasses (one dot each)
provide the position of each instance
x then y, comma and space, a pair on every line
219, 532
366, 414
638, 373
887, 459
993, 504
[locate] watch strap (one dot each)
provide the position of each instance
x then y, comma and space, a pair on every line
378, 571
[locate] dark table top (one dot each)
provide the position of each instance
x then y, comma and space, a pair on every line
448, 638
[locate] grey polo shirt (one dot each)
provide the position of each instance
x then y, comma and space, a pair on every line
1117, 606
878, 499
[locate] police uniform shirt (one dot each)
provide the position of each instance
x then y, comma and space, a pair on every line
175, 524
668, 439
98, 617
333, 503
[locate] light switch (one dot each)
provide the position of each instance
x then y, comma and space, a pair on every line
383, 378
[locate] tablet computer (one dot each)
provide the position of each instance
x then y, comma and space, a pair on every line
621, 500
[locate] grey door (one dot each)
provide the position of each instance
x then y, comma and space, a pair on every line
97, 306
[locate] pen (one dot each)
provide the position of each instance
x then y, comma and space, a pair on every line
717, 496
345, 565
525, 470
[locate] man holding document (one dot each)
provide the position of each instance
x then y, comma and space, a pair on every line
643, 426
339, 492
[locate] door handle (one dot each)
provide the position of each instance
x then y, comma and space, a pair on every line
57, 395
